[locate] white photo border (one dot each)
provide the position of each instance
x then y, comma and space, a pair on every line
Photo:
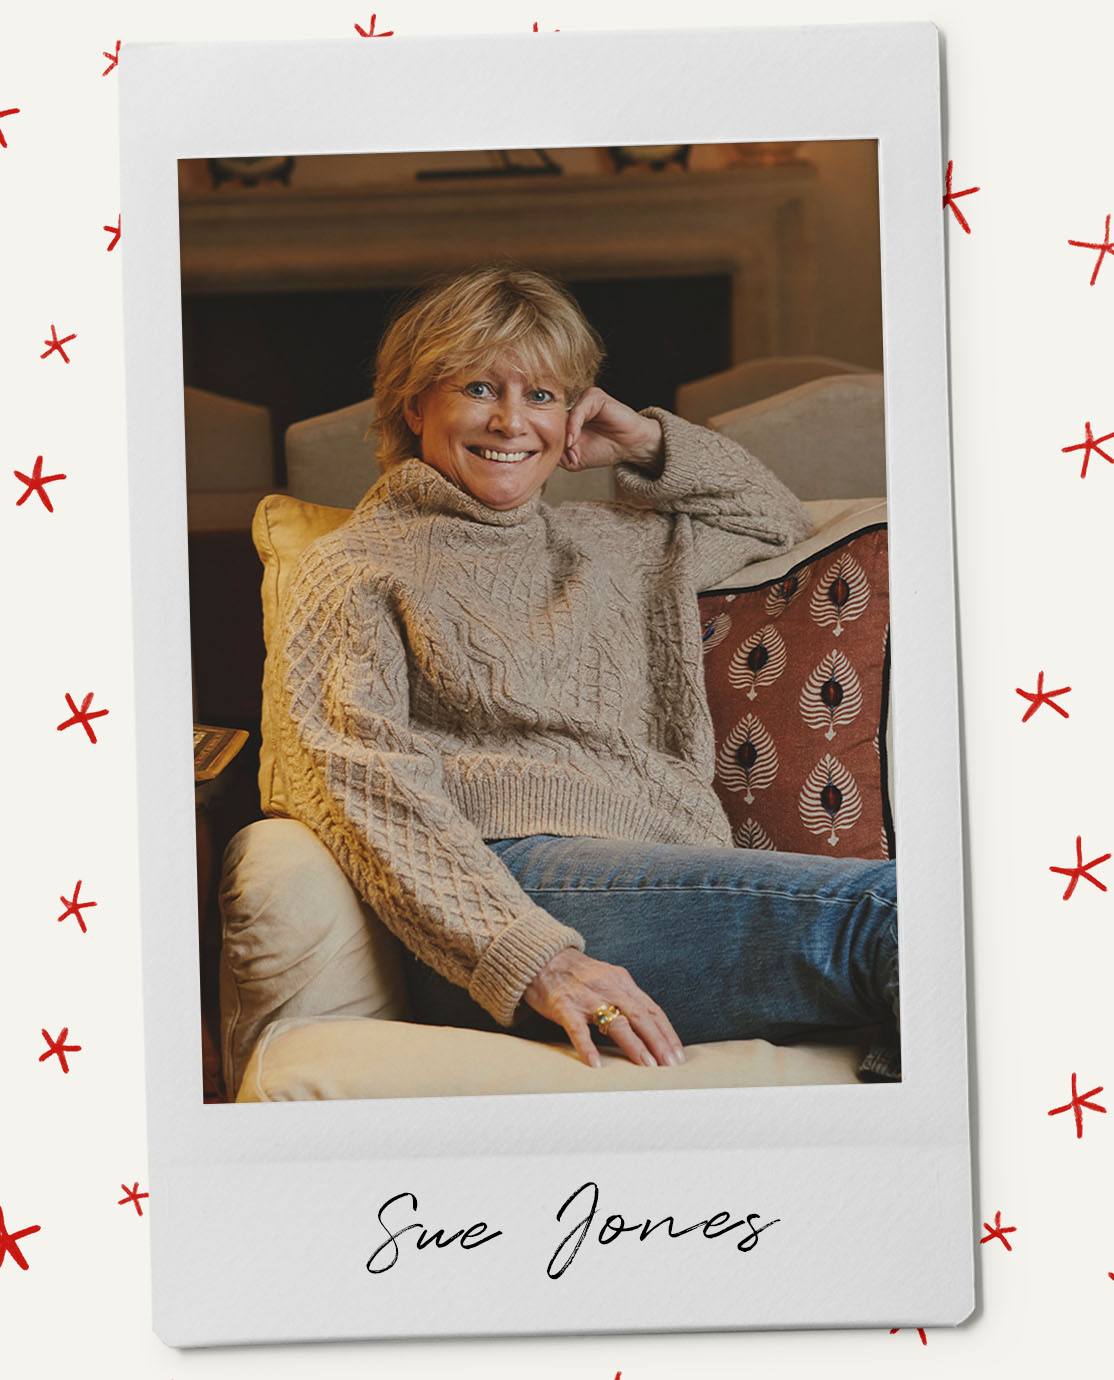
263, 1216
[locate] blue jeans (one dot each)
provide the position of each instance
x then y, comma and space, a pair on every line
732, 943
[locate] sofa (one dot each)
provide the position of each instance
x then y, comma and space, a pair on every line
313, 987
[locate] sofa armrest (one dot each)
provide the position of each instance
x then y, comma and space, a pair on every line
312, 1060
296, 940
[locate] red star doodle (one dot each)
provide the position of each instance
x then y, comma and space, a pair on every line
36, 483
369, 32
115, 232
920, 1333
1042, 696
1081, 869
13, 110
9, 1242
1087, 445
1076, 1105
54, 344
74, 907
997, 1232
132, 1195
58, 1047
83, 715
113, 59
950, 197
1106, 247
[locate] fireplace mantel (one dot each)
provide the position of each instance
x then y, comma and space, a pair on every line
754, 224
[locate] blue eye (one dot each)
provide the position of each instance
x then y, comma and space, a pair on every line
479, 383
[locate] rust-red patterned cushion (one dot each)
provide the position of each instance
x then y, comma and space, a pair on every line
797, 675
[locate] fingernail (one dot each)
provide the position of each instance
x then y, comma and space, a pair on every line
649, 1060
679, 1055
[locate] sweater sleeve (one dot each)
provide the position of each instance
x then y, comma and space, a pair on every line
371, 789
740, 511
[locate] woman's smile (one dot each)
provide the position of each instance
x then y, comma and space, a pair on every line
502, 457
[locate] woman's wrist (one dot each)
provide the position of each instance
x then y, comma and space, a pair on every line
651, 454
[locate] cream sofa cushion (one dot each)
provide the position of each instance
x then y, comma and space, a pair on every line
330, 458
229, 443
297, 940
822, 438
752, 380
301, 1060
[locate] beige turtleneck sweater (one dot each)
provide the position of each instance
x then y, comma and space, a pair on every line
452, 673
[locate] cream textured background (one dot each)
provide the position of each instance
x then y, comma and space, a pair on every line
1030, 359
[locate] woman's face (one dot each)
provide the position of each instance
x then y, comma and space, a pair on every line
494, 433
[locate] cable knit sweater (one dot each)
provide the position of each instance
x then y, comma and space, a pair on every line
452, 673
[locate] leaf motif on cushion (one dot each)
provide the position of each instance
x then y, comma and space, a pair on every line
714, 631
747, 758
832, 694
782, 592
750, 834
829, 799
757, 661
841, 593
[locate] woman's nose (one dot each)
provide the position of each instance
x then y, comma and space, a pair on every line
508, 416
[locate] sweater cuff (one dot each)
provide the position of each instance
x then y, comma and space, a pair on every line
514, 958
684, 466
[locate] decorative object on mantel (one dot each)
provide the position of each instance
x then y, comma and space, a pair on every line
250, 172
766, 155
546, 167
656, 157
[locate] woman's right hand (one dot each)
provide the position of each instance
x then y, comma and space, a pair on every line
572, 985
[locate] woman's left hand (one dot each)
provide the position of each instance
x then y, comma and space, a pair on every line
601, 431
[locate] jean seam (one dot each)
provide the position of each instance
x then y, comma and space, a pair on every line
737, 890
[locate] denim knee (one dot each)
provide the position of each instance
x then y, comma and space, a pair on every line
890, 977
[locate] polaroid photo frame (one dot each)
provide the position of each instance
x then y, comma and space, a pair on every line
268, 1220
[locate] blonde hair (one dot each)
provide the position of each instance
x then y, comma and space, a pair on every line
464, 321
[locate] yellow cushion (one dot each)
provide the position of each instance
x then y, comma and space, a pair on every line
282, 529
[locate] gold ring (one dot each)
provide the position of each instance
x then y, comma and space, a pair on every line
605, 1014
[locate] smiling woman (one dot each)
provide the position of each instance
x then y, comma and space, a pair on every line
493, 712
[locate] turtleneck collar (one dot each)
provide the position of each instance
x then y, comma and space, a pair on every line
429, 489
